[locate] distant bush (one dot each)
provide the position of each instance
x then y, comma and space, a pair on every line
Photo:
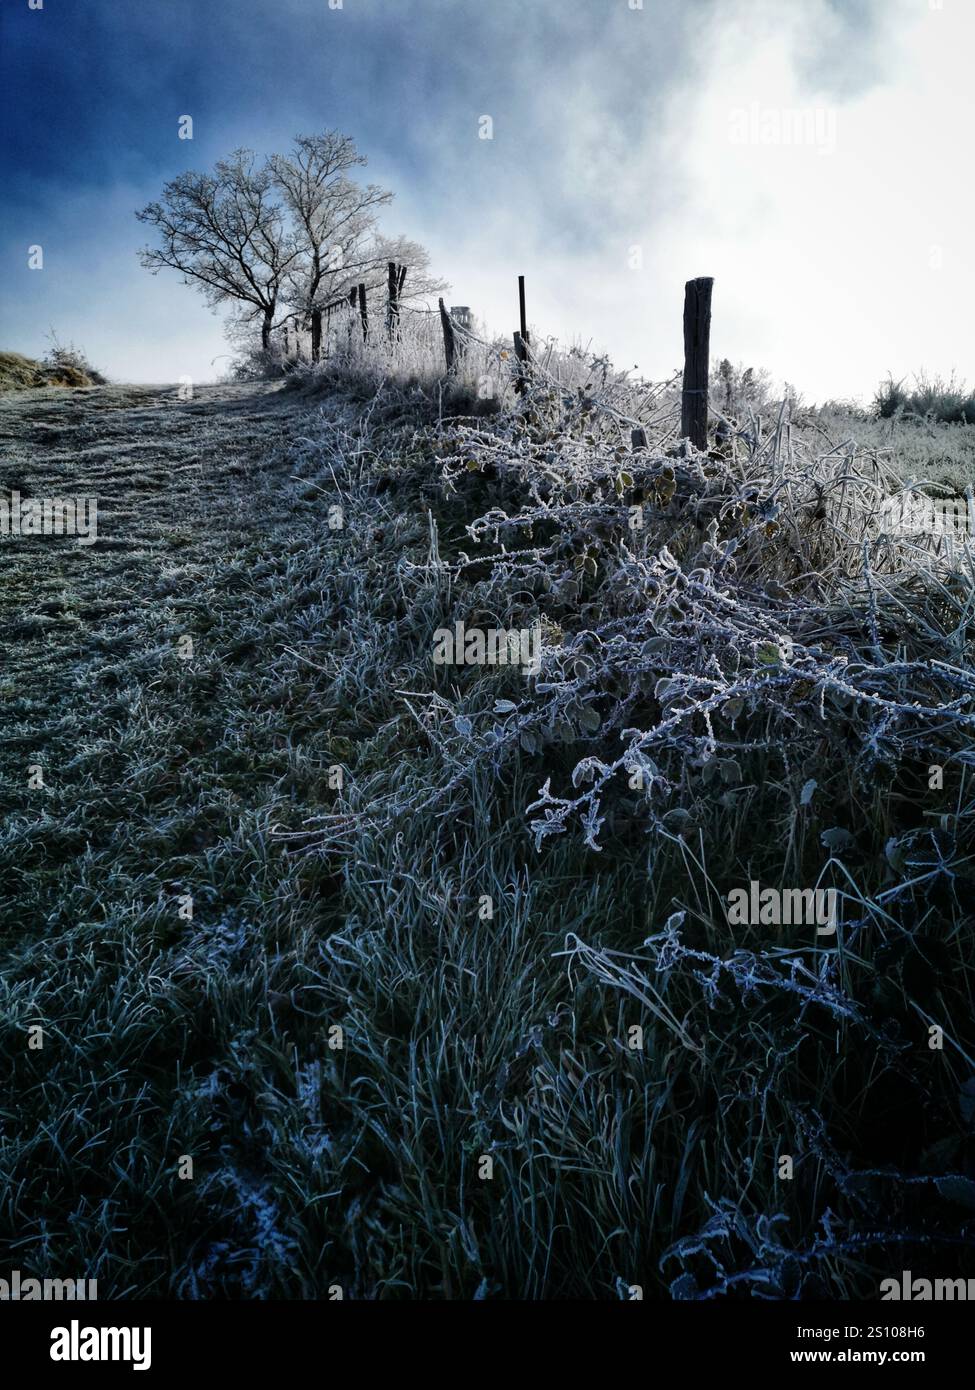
734, 389
948, 402
252, 363
68, 366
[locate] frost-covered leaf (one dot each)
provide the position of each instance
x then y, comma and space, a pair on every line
895, 855
684, 1288
806, 795
836, 838
667, 689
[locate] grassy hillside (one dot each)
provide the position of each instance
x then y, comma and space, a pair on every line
509, 873
61, 367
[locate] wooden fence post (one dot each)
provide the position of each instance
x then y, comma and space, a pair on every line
521, 340
697, 341
392, 296
522, 320
448, 337
521, 353
363, 312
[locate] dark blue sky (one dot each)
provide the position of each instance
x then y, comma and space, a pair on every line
602, 126
94, 86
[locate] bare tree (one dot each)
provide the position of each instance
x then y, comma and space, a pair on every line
333, 217
293, 231
227, 234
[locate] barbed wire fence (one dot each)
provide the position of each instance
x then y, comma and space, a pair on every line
677, 410
309, 338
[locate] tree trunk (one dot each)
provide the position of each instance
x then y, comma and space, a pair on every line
266, 330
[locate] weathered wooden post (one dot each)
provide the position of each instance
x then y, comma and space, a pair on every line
697, 343
316, 335
363, 312
521, 354
392, 294
521, 340
448, 337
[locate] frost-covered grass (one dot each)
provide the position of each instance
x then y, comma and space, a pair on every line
917, 449
779, 672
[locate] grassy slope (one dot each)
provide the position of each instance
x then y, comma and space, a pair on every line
18, 373
66, 367
160, 775
463, 1035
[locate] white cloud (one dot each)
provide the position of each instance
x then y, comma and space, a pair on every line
835, 261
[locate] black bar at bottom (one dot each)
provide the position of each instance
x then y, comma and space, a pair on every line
256, 1338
